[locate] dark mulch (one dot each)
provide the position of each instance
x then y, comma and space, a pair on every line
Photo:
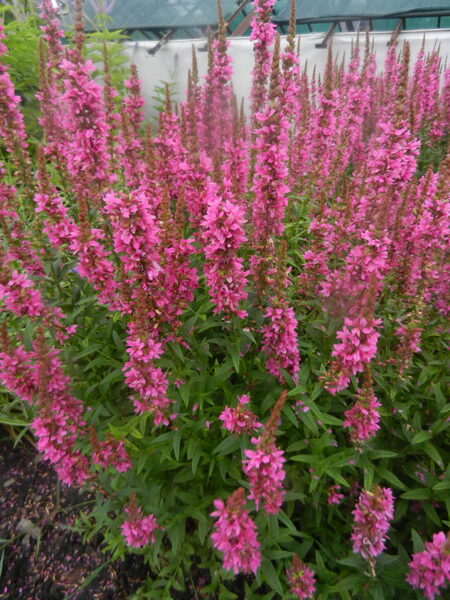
43, 558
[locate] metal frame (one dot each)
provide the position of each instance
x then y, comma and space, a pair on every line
164, 33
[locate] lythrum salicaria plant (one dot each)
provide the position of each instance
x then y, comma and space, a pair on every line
230, 327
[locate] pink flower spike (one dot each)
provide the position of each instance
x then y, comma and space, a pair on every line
138, 530
301, 579
430, 569
372, 516
235, 535
239, 419
265, 472
363, 418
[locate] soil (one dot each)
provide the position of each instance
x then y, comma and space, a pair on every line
43, 557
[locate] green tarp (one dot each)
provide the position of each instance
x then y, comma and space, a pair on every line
319, 9
145, 14
166, 14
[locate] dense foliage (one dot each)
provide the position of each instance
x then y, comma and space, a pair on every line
233, 330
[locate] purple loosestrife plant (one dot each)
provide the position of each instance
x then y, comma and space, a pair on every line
154, 278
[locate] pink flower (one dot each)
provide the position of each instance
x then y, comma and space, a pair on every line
301, 579
430, 569
334, 496
21, 297
280, 341
372, 516
265, 472
263, 33
235, 535
239, 420
363, 418
143, 377
357, 348
111, 453
223, 235
138, 530
264, 466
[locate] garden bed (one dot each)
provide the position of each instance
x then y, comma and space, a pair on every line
46, 559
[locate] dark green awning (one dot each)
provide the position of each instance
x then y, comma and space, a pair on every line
332, 9
157, 14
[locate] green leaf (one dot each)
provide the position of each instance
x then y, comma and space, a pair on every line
89, 350
235, 357
176, 534
353, 582
421, 436
271, 576
195, 459
288, 412
442, 485
6, 419
337, 477
392, 479
185, 390
374, 454
227, 446
113, 376
309, 422
431, 513
418, 544
368, 477
416, 494
118, 341
433, 453
282, 516
176, 441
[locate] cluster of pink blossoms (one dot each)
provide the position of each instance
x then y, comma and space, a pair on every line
138, 530
372, 515
264, 465
363, 418
12, 127
280, 341
356, 349
334, 495
302, 582
110, 453
143, 377
223, 234
264, 470
240, 419
235, 535
263, 33
21, 297
430, 569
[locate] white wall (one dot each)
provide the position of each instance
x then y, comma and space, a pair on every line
172, 61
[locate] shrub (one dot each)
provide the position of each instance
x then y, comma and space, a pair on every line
235, 327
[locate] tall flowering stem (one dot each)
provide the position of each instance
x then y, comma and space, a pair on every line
37, 377
271, 145
12, 125
264, 465
263, 34
363, 418
372, 516
217, 95
223, 234
235, 535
